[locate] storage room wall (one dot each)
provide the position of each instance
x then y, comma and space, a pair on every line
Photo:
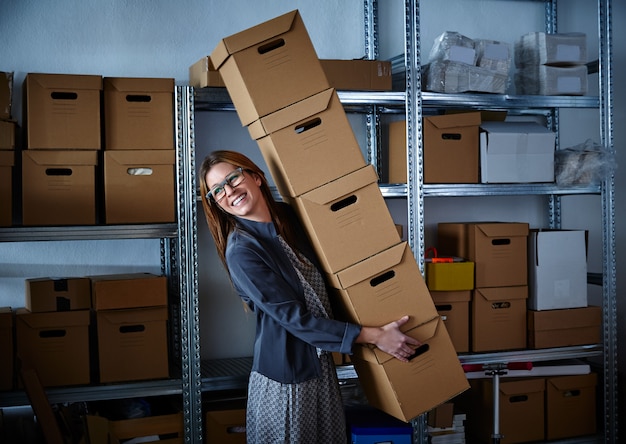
159, 38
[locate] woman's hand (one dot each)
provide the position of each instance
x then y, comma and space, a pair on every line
390, 339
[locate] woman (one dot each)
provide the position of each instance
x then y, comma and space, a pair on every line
293, 394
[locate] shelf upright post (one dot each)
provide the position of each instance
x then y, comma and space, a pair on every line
371, 53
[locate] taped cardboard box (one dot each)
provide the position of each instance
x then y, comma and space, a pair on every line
7, 161
138, 113
58, 294
571, 406
308, 144
563, 328
406, 390
454, 309
129, 290
269, 66
6, 348
62, 111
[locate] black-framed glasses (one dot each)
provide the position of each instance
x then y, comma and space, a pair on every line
233, 179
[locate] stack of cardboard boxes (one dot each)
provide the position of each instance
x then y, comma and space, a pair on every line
7, 149
283, 97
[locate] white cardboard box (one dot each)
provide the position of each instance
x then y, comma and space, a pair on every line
557, 269
516, 152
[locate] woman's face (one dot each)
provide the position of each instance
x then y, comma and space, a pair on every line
244, 199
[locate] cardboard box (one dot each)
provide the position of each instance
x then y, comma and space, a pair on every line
451, 148
132, 344
308, 144
139, 186
59, 187
358, 75
138, 113
406, 390
55, 344
131, 290
7, 161
382, 289
563, 328
570, 406
450, 276
557, 269
513, 152
7, 134
347, 220
6, 93
396, 152
58, 294
441, 416
6, 348
499, 318
203, 74
454, 309
62, 111
226, 426
147, 429
269, 66
498, 250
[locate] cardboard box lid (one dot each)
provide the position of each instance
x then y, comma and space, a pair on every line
252, 36
494, 294
139, 158
512, 388
443, 297
7, 158
455, 120
573, 382
567, 318
547, 244
342, 186
134, 316
62, 158
518, 138
291, 115
139, 84
502, 229
59, 319
66, 81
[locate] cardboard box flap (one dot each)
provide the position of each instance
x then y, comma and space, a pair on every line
568, 318
494, 294
139, 158
252, 36
503, 230
64, 82
134, 316
371, 267
444, 297
342, 186
62, 158
455, 120
56, 320
522, 387
291, 115
518, 137
7, 158
139, 84
573, 382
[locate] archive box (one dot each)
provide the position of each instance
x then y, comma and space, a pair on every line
226, 426
571, 406
563, 328
7, 161
359, 74
203, 74
7, 134
308, 144
396, 152
6, 348
129, 290
102, 430
457, 275
269, 66
58, 294
454, 309
62, 111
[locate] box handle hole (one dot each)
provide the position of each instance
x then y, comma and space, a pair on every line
138, 98
46, 334
451, 136
132, 328
63, 95
343, 203
382, 278
419, 351
271, 46
308, 125
58, 171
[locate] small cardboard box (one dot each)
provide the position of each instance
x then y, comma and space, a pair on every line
499, 318
7, 134
454, 309
58, 294
358, 75
59, 187
450, 276
451, 149
557, 269
396, 152
382, 289
405, 390
347, 220
6, 93
308, 144
514, 152
563, 328
7, 161
132, 344
203, 74
226, 426
571, 406
105, 431
55, 344
6, 348
139, 186
62, 111
269, 66
131, 290
138, 113
498, 250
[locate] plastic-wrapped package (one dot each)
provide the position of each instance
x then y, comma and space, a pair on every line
453, 46
493, 55
455, 77
539, 48
586, 163
552, 80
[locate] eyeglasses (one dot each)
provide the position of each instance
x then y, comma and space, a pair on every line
233, 179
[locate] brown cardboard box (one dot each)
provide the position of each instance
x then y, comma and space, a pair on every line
139, 186
7, 160
566, 327
382, 289
131, 290
308, 144
499, 318
451, 148
406, 390
441, 416
450, 276
203, 74
454, 309
62, 111
6, 348
226, 426
105, 431
358, 75
132, 344
58, 294
269, 66
570, 406
59, 187
7, 134
498, 250
138, 113
396, 158
347, 220
55, 344
6, 93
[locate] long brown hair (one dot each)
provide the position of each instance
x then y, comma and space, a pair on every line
221, 223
